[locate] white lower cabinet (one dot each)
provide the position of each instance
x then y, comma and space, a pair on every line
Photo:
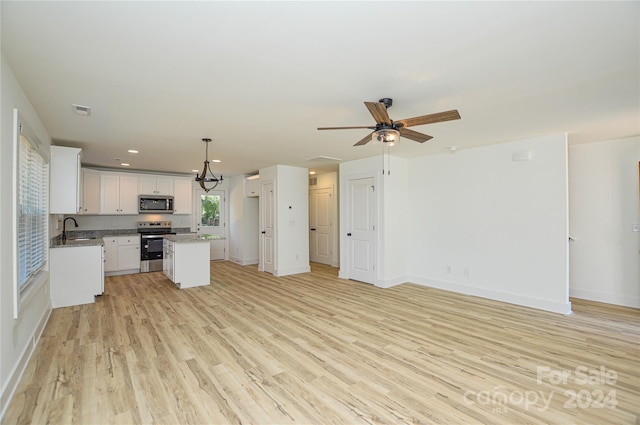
186, 263
122, 254
76, 275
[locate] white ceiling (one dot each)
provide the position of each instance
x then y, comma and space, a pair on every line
259, 77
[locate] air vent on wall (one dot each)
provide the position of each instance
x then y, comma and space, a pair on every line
81, 110
313, 181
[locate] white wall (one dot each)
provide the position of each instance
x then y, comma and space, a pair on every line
475, 222
397, 205
603, 207
17, 337
486, 225
292, 218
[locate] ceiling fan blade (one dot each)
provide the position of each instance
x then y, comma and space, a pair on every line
366, 139
345, 128
431, 118
379, 112
414, 135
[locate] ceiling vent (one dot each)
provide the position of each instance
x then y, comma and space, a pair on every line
82, 110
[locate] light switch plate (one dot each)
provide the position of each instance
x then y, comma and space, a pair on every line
635, 228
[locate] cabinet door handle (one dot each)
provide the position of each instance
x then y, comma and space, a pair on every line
263, 232
313, 229
348, 234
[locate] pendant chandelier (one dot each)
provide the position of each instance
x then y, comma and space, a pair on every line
210, 178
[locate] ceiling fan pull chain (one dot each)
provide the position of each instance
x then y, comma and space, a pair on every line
388, 161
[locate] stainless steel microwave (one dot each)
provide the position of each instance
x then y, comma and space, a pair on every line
153, 204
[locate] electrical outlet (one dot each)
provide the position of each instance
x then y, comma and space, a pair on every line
635, 228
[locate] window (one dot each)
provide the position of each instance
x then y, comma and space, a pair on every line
210, 210
32, 188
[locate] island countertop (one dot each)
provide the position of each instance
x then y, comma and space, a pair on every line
193, 237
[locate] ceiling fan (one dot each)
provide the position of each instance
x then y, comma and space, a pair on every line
388, 131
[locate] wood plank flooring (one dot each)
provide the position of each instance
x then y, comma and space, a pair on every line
314, 349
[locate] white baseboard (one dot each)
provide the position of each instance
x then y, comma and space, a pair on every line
11, 385
292, 270
388, 283
540, 304
605, 297
248, 262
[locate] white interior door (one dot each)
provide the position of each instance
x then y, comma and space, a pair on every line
361, 229
268, 213
211, 219
320, 225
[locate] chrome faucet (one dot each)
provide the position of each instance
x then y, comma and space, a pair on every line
64, 224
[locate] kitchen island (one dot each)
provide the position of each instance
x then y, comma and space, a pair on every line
186, 259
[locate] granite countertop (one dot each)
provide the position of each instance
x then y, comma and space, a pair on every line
60, 243
193, 237
117, 235
87, 238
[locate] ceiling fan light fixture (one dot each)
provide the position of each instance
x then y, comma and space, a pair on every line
388, 136
202, 178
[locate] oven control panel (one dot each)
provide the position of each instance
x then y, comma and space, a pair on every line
152, 225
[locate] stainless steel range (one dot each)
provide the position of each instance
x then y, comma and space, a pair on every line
152, 234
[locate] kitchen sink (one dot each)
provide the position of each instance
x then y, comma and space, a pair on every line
78, 241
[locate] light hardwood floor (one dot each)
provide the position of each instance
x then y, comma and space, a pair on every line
312, 348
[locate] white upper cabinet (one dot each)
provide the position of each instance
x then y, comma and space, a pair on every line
252, 186
118, 193
90, 191
110, 193
65, 180
183, 190
155, 185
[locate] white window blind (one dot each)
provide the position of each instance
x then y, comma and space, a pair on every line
33, 186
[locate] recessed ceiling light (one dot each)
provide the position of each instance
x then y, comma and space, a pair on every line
195, 171
124, 164
117, 159
215, 160
451, 148
81, 110
312, 172
133, 151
